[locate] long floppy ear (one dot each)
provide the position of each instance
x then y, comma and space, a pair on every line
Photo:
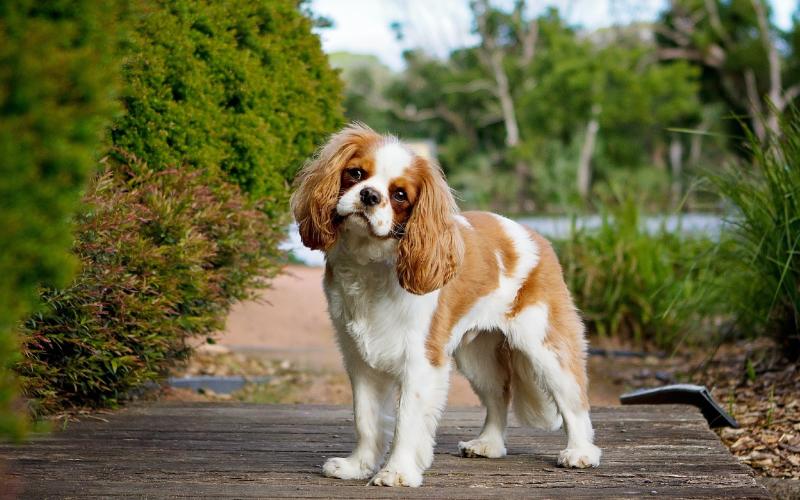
319, 182
431, 249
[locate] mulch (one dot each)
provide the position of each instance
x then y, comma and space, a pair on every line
753, 382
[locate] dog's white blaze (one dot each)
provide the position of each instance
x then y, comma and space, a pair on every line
391, 161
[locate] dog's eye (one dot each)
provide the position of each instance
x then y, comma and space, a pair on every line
400, 196
355, 173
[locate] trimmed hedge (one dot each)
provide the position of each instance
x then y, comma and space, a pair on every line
57, 81
222, 102
238, 87
163, 256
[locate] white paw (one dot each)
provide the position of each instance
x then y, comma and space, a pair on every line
581, 458
346, 468
389, 476
482, 448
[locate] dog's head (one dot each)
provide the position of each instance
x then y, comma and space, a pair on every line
377, 184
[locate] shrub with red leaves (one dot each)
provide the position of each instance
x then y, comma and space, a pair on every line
163, 256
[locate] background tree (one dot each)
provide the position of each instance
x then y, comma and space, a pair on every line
746, 61
538, 113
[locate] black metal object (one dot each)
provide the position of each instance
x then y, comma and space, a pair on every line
687, 394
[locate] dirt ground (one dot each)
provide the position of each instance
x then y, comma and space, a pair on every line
290, 322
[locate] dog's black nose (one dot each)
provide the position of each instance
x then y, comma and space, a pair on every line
370, 196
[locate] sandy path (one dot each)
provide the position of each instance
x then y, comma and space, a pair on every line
290, 321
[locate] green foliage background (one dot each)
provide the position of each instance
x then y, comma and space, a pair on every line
236, 88
58, 72
220, 104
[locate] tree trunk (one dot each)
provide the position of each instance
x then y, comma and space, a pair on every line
587, 151
676, 168
522, 172
493, 58
776, 104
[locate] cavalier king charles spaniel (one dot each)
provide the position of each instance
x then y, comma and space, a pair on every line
411, 284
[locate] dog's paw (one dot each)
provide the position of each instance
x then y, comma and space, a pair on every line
482, 448
580, 458
346, 468
390, 476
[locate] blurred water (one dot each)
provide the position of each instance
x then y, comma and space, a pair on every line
558, 227
555, 227
294, 245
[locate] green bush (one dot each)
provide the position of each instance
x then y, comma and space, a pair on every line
647, 289
57, 81
222, 102
240, 88
762, 264
163, 258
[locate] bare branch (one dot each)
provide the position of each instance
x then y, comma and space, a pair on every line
529, 42
440, 111
714, 57
587, 150
670, 53
791, 93
775, 83
468, 88
411, 113
675, 36
716, 22
494, 59
754, 102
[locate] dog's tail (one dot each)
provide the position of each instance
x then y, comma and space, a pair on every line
532, 404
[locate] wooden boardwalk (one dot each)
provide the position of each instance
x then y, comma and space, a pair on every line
242, 451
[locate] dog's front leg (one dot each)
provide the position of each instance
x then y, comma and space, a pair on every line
423, 395
373, 398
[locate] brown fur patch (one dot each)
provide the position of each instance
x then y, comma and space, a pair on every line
478, 276
545, 284
319, 183
431, 248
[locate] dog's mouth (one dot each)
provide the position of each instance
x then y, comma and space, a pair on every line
357, 216
362, 220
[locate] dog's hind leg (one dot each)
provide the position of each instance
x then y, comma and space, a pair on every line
550, 343
484, 361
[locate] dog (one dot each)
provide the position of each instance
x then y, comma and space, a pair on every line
412, 284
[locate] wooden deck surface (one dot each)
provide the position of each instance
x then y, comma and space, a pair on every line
243, 451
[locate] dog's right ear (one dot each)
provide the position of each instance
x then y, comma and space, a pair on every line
319, 184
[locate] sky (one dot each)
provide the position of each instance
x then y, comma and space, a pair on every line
363, 26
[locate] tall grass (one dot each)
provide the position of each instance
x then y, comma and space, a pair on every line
646, 289
762, 263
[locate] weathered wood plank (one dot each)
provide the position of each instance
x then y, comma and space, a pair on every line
248, 451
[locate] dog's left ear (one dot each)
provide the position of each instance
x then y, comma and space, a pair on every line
431, 249
318, 184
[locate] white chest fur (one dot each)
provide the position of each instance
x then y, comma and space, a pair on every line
387, 324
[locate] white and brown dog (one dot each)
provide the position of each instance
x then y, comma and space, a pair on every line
412, 283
